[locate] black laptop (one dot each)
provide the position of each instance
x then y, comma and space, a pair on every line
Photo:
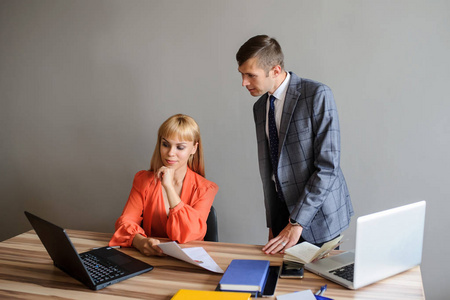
97, 268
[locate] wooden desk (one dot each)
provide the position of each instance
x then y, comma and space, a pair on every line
27, 272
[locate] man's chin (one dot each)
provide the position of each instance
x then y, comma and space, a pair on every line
255, 93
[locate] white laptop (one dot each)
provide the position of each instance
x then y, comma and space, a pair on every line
387, 243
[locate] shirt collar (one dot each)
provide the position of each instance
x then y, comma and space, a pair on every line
280, 92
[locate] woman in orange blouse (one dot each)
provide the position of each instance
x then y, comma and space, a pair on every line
172, 199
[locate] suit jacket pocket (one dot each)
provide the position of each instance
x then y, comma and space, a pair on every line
302, 126
299, 131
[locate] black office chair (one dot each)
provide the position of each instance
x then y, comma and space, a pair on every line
212, 232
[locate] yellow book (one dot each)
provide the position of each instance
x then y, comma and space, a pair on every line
209, 295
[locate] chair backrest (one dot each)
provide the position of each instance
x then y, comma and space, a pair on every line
212, 232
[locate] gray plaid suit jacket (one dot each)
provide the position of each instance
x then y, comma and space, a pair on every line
309, 172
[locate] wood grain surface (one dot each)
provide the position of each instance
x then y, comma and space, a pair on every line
27, 272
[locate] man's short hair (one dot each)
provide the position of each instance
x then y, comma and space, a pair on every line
265, 48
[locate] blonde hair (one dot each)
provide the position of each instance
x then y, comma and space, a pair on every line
183, 128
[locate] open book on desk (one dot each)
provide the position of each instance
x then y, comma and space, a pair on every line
305, 252
196, 256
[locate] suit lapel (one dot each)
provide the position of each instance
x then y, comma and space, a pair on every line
290, 102
260, 108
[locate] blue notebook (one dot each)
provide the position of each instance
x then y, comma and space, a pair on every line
245, 275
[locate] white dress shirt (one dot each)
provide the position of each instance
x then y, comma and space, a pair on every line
280, 95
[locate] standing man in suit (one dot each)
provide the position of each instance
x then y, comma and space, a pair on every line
297, 129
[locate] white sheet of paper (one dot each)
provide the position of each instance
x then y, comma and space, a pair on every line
196, 256
303, 295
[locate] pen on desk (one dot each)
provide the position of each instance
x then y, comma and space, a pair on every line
322, 290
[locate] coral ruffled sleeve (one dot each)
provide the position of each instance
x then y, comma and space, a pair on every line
145, 207
129, 223
187, 220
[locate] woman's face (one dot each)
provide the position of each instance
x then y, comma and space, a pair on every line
175, 153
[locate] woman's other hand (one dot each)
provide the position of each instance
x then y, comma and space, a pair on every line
147, 246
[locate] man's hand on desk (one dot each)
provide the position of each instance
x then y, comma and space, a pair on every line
147, 246
287, 238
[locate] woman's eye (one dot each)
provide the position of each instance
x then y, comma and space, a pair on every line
165, 145
180, 148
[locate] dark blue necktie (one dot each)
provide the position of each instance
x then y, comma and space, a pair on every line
273, 135
273, 140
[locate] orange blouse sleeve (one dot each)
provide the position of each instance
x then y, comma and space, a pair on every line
129, 223
187, 220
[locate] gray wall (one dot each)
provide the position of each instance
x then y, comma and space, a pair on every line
84, 85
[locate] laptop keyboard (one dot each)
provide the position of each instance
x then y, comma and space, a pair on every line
99, 269
345, 272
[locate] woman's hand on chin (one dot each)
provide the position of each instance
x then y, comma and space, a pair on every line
165, 175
